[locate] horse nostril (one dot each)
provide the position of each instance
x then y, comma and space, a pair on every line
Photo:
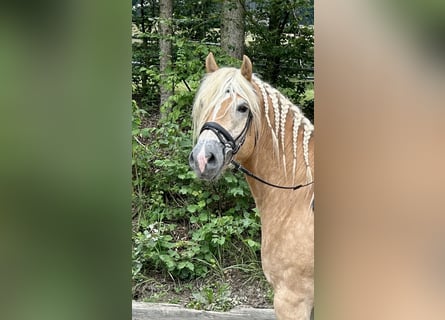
206, 160
211, 158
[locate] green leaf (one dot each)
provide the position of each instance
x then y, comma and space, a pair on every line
202, 203
186, 264
167, 260
192, 208
252, 244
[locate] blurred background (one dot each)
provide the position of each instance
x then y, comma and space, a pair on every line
379, 117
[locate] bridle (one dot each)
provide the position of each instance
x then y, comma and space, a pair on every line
232, 146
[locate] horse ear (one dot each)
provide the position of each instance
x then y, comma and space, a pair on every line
211, 63
246, 68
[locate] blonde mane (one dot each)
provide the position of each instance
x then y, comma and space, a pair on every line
214, 89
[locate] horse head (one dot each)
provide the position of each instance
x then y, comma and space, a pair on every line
224, 111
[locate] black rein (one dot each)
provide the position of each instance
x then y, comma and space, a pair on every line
239, 167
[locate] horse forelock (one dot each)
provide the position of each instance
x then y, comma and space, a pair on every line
215, 88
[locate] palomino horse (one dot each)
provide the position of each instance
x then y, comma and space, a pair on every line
242, 120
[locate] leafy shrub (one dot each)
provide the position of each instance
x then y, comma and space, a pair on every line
185, 224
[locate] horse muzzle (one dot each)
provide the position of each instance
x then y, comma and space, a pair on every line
208, 159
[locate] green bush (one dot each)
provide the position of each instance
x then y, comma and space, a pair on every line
184, 226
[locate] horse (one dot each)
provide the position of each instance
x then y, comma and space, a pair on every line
242, 121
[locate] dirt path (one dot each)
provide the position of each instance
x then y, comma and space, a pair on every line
158, 311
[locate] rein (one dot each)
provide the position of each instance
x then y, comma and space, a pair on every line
232, 147
239, 167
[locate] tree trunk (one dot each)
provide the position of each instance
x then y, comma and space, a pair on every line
232, 28
165, 46
144, 76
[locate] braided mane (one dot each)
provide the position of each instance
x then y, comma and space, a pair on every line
281, 106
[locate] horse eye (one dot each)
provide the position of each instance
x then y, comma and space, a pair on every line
242, 108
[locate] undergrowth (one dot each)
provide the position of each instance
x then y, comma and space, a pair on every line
184, 226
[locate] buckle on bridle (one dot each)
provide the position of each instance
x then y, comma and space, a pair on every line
228, 153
